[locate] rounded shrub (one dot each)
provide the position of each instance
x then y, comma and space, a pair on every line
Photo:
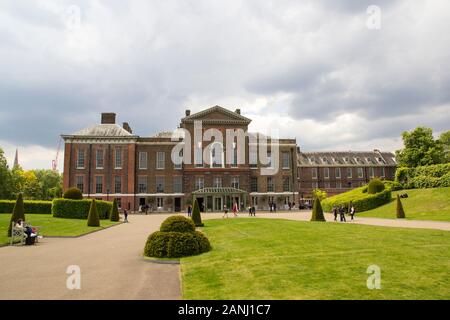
203, 242
182, 245
375, 186
156, 245
177, 224
176, 244
73, 193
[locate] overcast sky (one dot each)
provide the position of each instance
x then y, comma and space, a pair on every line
312, 69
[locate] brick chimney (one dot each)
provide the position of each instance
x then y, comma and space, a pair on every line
127, 127
238, 111
188, 112
108, 118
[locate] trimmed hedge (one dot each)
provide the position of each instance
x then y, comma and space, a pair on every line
79, 209
317, 212
177, 224
31, 206
176, 244
73, 193
375, 186
434, 176
362, 201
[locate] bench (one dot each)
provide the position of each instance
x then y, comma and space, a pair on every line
19, 233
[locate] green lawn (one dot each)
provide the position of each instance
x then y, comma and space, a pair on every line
281, 259
422, 204
52, 226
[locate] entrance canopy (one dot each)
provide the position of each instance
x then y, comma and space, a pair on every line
218, 191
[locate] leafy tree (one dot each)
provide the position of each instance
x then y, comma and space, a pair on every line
196, 216
18, 213
444, 140
50, 183
17, 181
319, 194
31, 187
5, 178
400, 211
114, 216
420, 149
317, 213
93, 218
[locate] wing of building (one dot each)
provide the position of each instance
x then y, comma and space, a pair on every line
219, 167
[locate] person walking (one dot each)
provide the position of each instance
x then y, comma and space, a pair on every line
352, 212
253, 211
189, 211
125, 214
335, 213
270, 206
225, 211
342, 214
235, 209
274, 207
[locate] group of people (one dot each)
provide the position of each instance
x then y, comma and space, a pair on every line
28, 230
341, 211
272, 207
144, 208
234, 209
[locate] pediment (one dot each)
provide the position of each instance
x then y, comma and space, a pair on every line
217, 114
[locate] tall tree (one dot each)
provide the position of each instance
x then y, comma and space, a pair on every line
50, 183
420, 149
5, 178
444, 140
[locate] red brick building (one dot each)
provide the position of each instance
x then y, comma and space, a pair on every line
108, 161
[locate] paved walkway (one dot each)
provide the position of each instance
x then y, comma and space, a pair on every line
111, 265
111, 261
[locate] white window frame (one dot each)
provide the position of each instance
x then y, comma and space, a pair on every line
99, 157
199, 183
217, 182
143, 160
145, 184
77, 182
178, 184
116, 179
235, 182
360, 170
349, 173
118, 159
314, 173
383, 172
286, 158
336, 171
272, 184
371, 172
83, 157
326, 173
160, 160
160, 180
96, 184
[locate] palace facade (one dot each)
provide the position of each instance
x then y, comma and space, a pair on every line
108, 161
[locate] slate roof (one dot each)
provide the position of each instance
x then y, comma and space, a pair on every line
103, 130
346, 158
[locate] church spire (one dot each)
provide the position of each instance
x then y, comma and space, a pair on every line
16, 158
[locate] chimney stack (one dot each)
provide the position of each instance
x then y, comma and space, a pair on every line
108, 118
188, 112
238, 111
127, 127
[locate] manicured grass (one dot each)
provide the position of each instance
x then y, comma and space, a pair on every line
281, 259
52, 226
421, 204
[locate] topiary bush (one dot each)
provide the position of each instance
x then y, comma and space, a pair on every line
30, 206
114, 216
177, 238
196, 217
93, 219
317, 212
73, 193
400, 211
18, 213
177, 224
375, 186
79, 209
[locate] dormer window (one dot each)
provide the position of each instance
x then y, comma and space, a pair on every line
312, 160
324, 160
